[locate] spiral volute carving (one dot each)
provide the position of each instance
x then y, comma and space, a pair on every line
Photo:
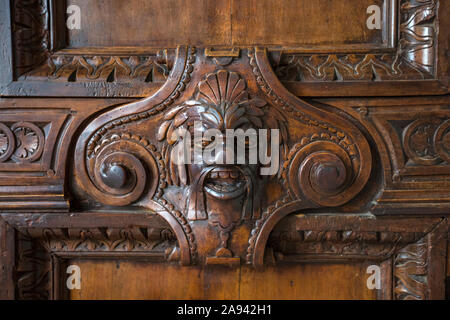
121, 169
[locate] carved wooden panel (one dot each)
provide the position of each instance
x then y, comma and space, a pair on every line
89, 137
322, 162
409, 254
45, 55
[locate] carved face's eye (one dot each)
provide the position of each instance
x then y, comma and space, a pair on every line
204, 142
208, 142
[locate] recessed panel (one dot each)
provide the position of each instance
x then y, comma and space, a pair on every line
141, 280
168, 23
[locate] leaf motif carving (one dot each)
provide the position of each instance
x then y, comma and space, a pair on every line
27, 142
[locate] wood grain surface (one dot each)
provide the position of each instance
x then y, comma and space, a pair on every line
140, 280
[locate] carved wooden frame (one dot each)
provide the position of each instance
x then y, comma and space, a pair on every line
411, 255
36, 268
415, 45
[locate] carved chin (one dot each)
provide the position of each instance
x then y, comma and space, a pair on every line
225, 183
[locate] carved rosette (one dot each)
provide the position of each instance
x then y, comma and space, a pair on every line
7, 142
427, 141
123, 158
22, 142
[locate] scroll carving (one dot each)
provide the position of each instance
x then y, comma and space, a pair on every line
31, 34
101, 68
111, 240
335, 244
125, 157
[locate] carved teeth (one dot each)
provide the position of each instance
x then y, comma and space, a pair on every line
225, 187
214, 175
234, 174
224, 174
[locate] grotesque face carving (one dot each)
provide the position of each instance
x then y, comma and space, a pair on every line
223, 182
215, 201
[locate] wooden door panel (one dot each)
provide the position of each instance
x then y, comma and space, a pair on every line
140, 280
87, 176
167, 23
242, 23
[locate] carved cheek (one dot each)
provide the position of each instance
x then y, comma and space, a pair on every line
195, 170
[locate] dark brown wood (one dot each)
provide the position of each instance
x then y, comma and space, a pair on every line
86, 149
7, 261
437, 252
318, 61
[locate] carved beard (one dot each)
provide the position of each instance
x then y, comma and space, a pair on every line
226, 185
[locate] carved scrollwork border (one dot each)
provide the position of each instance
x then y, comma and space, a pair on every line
37, 57
414, 58
411, 253
412, 259
32, 265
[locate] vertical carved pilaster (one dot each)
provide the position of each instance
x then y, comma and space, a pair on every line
411, 272
33, 270
6, 261
419, 268
31, 34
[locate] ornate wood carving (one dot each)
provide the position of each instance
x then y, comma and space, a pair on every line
29, 147
419, 268
339, 244
35, 56
410, 272
39, 54
23, 142
33, 270
143, 68
147, 241
31, 34
427, 142
414, 250
414, 147
119, 162
414, 58
113, 157
42, 247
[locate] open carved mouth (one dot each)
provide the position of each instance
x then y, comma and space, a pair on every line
225, 183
